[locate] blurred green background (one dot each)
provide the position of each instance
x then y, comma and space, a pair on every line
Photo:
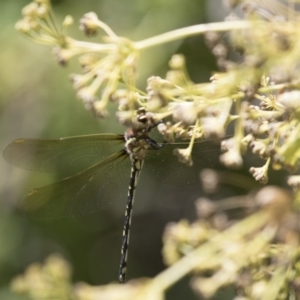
38, 101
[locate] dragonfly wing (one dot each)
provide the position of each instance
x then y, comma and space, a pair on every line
83, 193
65, 156
164, 166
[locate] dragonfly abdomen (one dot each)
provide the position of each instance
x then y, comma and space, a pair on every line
135, 171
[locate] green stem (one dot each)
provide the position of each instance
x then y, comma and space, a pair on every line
190, 31
93, 46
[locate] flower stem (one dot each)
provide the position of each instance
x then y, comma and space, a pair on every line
190, 31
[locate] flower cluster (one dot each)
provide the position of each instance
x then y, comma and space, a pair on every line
258, 94
104, 64
258, 255
48, 281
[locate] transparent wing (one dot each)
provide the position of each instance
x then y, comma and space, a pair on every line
164, 166
272, 9
83, 193
65, 156
104, 179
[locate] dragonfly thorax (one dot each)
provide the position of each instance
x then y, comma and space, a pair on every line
137, 143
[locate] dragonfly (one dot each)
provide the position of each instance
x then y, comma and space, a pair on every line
96, 169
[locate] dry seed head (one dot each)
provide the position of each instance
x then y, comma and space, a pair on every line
57, 267
228, 144
177, 77
294, 181
289, 99
119, 95
177, 61
30, 10
220, 51
87, 95
246, 140
185, 112
232, 159
99, 108
184, 156
209, 180
212, 38
88, 60
257, 289
260, 174
126, 118
78, 81
205, 208
68, 21
263, 128
18, 285
63, 55
89, 24
26, 25
276, 200
259, 147
42, 11
220, 221
167, 131
155, 102
123, 104
213, 127
155, 83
